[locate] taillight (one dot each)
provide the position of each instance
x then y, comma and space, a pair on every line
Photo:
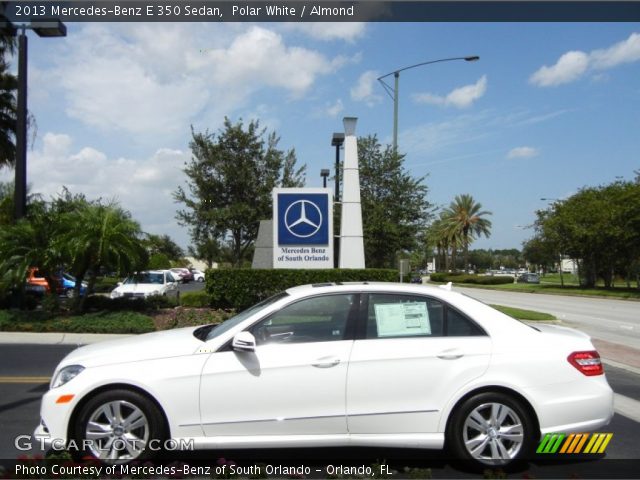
587, 363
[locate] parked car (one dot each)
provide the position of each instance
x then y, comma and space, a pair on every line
67, 284
529, 278
362, 364
36, 282
148, 283
183, 274
198, 275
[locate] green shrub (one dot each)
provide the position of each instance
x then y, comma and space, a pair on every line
99, 322
241, 288
195, 299
471, 279
159, 261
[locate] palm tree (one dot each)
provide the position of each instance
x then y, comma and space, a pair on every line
102, 236
465, 216
8, 106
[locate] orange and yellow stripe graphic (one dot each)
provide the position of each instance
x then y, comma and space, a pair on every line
574, 443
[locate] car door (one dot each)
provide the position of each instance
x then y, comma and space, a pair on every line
414, 354
295, 381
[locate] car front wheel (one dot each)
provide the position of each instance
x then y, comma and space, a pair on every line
118, 427
491, 429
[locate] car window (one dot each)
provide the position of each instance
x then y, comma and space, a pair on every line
458, 325
399, 315
317, 319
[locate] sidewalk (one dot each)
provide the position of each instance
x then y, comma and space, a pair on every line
618, 355
56, 338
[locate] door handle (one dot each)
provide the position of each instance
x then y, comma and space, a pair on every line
326, 362
450, 355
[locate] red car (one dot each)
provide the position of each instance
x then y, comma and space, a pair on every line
183, 274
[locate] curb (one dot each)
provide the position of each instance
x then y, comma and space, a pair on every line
42, 338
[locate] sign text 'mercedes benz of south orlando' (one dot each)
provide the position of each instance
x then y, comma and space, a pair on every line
302, 228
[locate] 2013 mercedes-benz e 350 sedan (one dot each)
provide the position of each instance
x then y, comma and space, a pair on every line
334, 365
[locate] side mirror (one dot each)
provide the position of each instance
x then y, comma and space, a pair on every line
244, 342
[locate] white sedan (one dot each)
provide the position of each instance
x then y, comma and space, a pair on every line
333, 365
147, 283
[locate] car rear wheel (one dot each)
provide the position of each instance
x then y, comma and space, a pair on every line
491, 429
118, 426
70, 293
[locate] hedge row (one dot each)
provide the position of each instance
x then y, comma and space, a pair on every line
474, 279
239, 289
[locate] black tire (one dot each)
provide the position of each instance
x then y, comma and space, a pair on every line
131, 403
493, 437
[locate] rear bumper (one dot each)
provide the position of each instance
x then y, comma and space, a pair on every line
580, 406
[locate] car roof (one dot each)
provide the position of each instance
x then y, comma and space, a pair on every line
304, 290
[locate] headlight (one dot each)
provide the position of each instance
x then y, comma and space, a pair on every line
66, 374
115, 294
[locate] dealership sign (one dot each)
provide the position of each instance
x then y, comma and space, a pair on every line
303, 228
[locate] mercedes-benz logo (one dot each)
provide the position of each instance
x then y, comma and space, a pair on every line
299, 222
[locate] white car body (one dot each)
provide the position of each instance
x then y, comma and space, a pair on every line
147, 283
396, 391
198, 276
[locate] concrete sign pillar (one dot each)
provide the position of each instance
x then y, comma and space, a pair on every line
351, 237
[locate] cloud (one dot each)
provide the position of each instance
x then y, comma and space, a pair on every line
162, 77
329, 31
568, 68
462, 97
363, 91
143, 186
522, 152
573, 65
336, 109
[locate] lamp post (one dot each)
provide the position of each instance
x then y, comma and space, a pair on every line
48, 28
324, 173
336, 141
394, 91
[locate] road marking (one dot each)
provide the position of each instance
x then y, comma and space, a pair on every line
626, 406
37, 380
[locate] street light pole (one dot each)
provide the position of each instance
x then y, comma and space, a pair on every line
20, 187
394, 91
45, 28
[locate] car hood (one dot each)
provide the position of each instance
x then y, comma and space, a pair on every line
148, 346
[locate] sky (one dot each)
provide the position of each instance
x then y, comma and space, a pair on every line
549, 107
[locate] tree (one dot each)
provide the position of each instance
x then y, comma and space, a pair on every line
163, 245
394, 204
8, 103
70, 233
538, 251
465, 216
231, 178
598, 226
102, 236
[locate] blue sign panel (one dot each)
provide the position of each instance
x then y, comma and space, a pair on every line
303, 219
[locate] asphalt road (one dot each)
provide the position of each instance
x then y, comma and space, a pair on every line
19, 415
616, 321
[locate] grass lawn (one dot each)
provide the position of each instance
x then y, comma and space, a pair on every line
521, 314
555, 288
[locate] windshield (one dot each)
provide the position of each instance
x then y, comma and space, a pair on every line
145, 277
233, 321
